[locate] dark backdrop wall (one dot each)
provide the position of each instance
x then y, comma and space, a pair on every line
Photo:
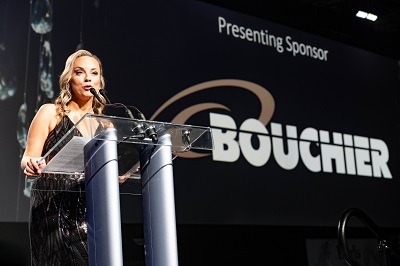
304, 127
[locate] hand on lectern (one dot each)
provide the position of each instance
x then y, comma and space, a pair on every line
125, 177
34, 166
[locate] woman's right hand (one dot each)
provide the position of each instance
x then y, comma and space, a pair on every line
33, 167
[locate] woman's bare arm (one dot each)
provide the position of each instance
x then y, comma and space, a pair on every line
43, 122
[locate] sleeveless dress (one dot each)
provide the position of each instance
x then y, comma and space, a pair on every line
57, 222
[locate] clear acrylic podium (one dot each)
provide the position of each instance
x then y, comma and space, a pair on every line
117, 149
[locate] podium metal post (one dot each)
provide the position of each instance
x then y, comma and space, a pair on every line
102, 200
159, 204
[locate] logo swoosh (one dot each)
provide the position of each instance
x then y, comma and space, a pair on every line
267, 103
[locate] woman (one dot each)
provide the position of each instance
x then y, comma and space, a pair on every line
58, 230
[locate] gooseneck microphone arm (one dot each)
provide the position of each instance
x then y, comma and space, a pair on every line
140, 129
150, 130
102, 92
127, 110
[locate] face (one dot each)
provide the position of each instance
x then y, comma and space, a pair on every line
85, 75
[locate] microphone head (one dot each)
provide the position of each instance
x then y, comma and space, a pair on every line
103, 93
94, 92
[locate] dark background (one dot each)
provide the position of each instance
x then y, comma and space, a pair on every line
227, 214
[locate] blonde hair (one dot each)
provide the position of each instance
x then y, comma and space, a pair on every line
65, 96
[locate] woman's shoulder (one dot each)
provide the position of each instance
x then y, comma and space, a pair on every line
47, 113
48, 108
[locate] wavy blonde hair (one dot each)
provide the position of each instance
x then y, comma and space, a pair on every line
65, 96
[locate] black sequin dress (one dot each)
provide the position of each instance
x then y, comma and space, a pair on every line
57, 226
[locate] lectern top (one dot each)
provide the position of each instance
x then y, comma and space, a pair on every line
130, 131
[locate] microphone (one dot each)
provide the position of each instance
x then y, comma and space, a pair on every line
103, 93
94, 92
